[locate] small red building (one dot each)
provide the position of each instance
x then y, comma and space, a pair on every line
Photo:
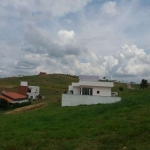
42, 74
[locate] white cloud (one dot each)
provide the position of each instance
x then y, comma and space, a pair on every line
109, 8
48, 7
134, 62
60, 8
75, 36
66, 37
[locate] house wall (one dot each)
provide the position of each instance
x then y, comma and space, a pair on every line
76, 90
23, 90
70, 88
75, 100
24, 83
33, 95
103, 91
35, 91
93, 84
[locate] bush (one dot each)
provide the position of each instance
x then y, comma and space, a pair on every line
121, 88
22, 104
17, 105
3, 103
39, 96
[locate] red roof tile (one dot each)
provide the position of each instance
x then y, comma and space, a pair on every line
7, 99
13, 95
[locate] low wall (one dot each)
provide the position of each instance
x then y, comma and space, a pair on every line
74, 100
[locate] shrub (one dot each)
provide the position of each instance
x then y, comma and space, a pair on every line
17, 105
22, 104
39, 96
121, 88
3, 103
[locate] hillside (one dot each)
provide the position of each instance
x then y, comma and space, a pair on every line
120, 126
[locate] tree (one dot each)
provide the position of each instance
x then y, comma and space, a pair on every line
143, 84
104, 78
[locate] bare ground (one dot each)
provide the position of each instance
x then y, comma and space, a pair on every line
27, 108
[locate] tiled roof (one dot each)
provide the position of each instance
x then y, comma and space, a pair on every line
13, 95
7, 99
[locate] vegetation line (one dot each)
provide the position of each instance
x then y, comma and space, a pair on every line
27, 108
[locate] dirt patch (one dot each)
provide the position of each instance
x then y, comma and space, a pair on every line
27, 108
129, 86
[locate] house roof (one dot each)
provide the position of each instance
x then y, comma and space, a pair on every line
7, 99
13, 95
42, 73
94, 84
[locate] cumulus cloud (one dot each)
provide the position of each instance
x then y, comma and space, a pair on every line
132, 61
86, 37
113, 67
66, 37
41, 42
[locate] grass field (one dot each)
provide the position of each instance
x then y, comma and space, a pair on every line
121, 126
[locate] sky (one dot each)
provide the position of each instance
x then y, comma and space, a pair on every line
79, 37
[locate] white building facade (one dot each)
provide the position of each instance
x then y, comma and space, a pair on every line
89, 91
33, 92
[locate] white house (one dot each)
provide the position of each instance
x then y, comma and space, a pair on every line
89, 91
33, 92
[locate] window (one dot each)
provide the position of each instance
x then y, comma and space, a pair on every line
98, 92
87, 91
71, 91
29, 90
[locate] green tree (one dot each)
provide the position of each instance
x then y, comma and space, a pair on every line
144, 84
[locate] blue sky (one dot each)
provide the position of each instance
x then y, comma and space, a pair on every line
93, 37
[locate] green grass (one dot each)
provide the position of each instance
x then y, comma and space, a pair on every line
98, 127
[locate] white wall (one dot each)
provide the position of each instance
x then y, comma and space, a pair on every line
76, 90
35, 91
75, 100
103, 91
33, 95
24, 83
89, 83
70, 88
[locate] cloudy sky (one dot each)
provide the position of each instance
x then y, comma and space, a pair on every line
92, 37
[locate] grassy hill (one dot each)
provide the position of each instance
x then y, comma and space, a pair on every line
121, 126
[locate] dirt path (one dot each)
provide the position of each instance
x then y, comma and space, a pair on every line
27, 108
